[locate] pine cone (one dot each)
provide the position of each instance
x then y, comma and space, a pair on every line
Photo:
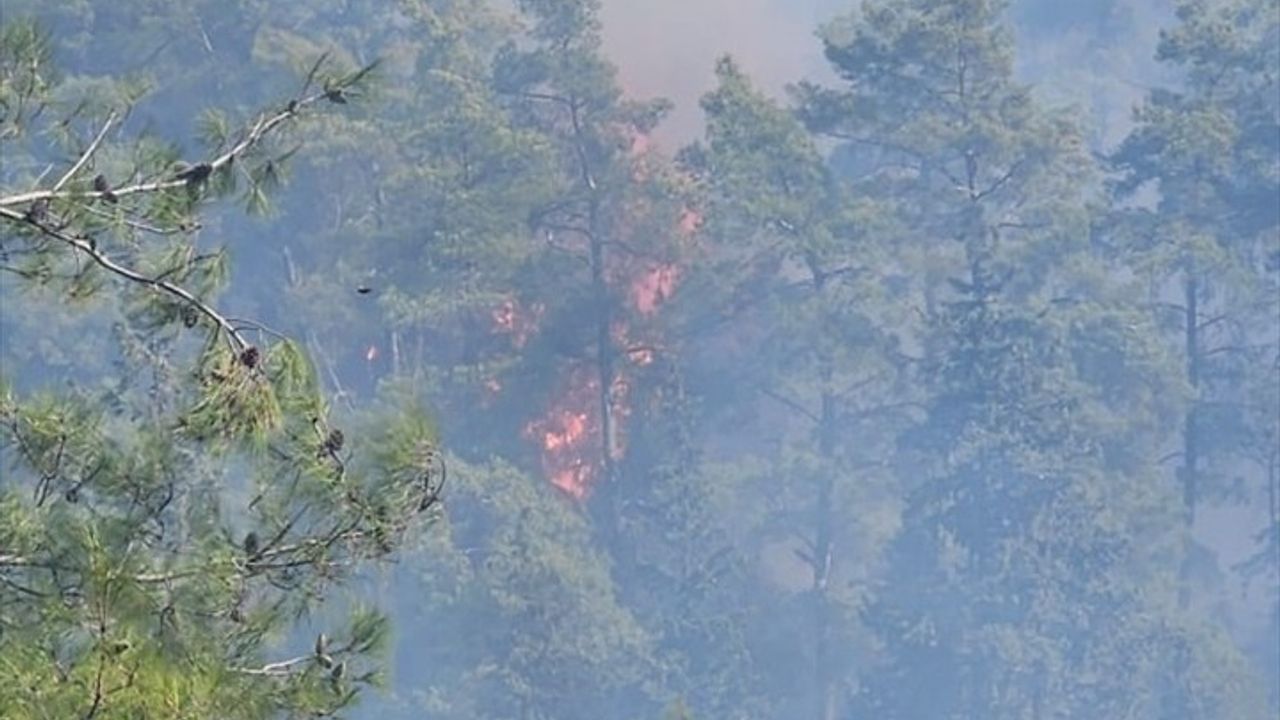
193, 174
334, 442
101, 185
251, 544
38, 211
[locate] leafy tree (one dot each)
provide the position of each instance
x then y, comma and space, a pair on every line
158, 540
423, 260
872, 395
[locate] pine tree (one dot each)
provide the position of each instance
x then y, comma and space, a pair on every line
1035, 541
612, 215
1207, 247
160, 529
790, 284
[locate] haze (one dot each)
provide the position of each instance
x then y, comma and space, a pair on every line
919, 360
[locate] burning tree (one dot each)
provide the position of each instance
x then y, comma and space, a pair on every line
611, 232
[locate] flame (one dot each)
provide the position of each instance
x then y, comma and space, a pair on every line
690, 221
510, 318
563, 439
653, 287
504, 316
569, 434
639, 144
639, 353
574, 480
572, 427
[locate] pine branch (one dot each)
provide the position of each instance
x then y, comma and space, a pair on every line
88, 153
284, 667
260, 129
89, 247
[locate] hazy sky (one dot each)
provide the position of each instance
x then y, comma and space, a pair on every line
668, 48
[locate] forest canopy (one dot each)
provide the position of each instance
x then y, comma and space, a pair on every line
399, 360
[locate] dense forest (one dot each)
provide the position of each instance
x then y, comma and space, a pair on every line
582, 360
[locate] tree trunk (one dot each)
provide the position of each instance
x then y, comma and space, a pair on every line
1190, 439
1190, 431
604, 346
824, 694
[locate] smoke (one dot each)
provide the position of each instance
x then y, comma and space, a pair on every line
668, 48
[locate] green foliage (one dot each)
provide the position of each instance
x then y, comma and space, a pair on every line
883, 397
143, 576
516, 588
1207, 246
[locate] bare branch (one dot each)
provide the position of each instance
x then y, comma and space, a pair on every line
255, 325
88, 153
546, 97
791, 404
284, 667
579, 147
144, 227
999, 183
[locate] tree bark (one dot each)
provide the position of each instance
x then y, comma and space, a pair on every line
1190, 430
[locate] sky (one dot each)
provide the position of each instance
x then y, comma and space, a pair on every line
668, 48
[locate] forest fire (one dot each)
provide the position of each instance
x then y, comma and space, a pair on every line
520, 323
653, 287
568, 435
566, 467
690, 221
639, 353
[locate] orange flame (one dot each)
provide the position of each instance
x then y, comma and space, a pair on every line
690, 221
653, 287
639, 353
569, 434
562, 439
509, 318
504, 316
640, 144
